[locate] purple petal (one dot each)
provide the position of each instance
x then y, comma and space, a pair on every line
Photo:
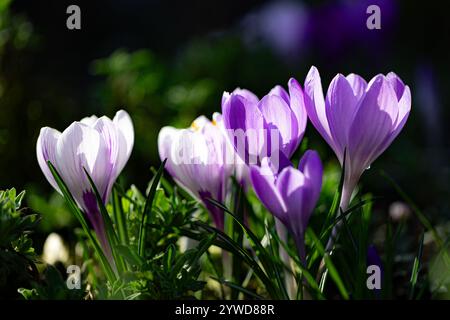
263, 184
217, 214
95, 218
297, 104
341, 107
372, 125
315, 105
311, 166
396, 83
280, 92
245, 126
358, 84
404, 107
291, 186
247, 94
279, 117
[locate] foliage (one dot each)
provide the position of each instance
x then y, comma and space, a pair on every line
17, 256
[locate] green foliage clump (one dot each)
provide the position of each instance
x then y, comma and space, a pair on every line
17, 255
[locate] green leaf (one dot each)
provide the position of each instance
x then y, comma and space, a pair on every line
416, 268
329, 264
130, 255
148, 208
169, 257
230, 245
363, 220
334, 209
202, 247
238, 288
305, 273
119, 217
262, 254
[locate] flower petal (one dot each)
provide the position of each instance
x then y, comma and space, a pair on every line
78, 147
396, 83
311, 166
358, 84
297, 104
247, 94
315, 105
341, 107
123, 121
46, 151
117, 150
199, 123
280, 92
89, 121
245, 127
404, 107
264, 186
291, 186
280, 118
372, 124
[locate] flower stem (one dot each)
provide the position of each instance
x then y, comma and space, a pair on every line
347, 190
289, 279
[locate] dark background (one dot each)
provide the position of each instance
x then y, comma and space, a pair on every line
166, 62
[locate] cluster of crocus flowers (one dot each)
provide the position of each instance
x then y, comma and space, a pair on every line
253, 139
265, 134
100, 146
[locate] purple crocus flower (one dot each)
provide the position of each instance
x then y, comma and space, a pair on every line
100, 145
271, 127
200, 160
357, 117
292, 194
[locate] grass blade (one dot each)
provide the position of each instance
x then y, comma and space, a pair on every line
331, 269
148, 208
416, 268
422, 218
230, 245
120, 218
265, 258
238, 288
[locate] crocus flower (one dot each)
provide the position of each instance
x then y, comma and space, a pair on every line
271, 127
292, 194
357, 117
200, 160
101, 146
